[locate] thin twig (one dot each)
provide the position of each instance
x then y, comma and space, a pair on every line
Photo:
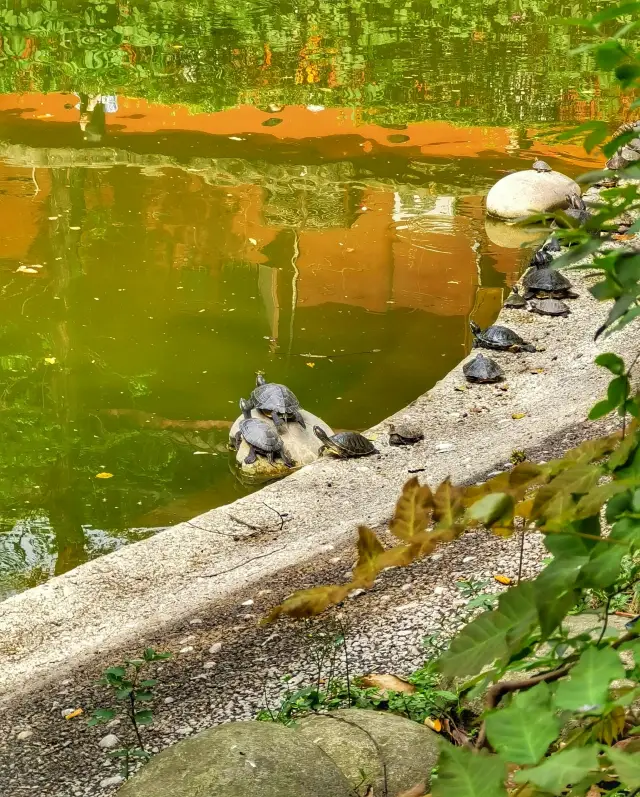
606, 619
281, 516
521, 556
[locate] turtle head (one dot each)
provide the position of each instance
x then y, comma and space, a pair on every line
260, 380
576, 201
320, 433
245, 407
474, 327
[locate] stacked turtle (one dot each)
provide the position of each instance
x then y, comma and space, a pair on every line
628, 153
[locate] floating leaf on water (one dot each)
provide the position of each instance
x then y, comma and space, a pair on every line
50, 360
503, 579
518, 415
388, 683
73, 714
27, 270
74, 228
310, 365
397, 138
435, 725
104, 475
272, 122
253, 241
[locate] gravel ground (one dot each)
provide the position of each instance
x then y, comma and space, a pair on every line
225, 666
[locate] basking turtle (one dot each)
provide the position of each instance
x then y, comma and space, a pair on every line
549, 307
541, 166
515, 300
482, 369
630, 151
541, 258
546, 283
577, 209
277, 401
551, 245
497, 337
344, 444
261, 438
403, 434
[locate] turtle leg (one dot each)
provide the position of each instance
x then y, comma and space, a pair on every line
271, 457
278, 420
297, 415
475, 344
237, 440
287, 459
251, 457
322, 449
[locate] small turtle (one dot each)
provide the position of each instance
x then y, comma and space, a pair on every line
628, 152
403, 434
577, 209
482, 369
546, 283
515, 300
541, 258
497, 337
541, 166
551, 244
277, 401
549, 307
344, 444
261, 438
273, 108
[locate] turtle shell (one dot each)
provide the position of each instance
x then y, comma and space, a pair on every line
497, 337
546, 280
541, 166
549, 307
541, 258
403, 434
272, 397
515, 300
353, 444
482, 369
260, 435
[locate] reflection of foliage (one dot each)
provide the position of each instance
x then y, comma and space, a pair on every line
412, 61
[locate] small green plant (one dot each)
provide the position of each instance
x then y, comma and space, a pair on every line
131, 691
517, 457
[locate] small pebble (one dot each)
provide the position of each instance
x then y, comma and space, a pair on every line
109, 741
406, 587
185, 731
209, 664
114, 780
247, 603
216, 647
24, 735
188, 649
439, 591
169, 700
195, 621
355, 592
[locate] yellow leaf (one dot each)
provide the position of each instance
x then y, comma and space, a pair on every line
435, 725
524, 509
104, 475
503, 579
309, 602
610, 727
388, 683
413, 511
73, 714
447, 503
368, 565
310, 365
27, 270
519, 415
50, 360
460, 388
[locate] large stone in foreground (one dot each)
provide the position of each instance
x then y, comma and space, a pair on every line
522, 193
240, 759
409, 750
300, 444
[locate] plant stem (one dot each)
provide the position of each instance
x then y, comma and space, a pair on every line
521, 556
607, 607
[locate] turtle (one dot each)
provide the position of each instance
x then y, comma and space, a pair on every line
549, 307
497, 337
403, 434
541, 166
577, 209
551, 244
260, 437
482, 369
344, 444
546, 283
541, 258
277, 401
515, 300
628, 152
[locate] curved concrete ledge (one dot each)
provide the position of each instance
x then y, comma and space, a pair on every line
136, 592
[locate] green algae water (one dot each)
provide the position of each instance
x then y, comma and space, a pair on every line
192, 192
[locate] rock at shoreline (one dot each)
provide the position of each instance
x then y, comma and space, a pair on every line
300, 444
240, 759
410, 750
519, 194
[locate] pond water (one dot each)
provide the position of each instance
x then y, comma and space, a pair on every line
191, 192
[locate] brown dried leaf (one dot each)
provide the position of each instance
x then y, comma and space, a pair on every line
435, 725
388, 683
309, 602
369, 550
591, 450
419, 790
413, 511
447, 503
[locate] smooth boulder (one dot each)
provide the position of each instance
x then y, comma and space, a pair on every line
240, 759
300, 444
347, 736
522, 193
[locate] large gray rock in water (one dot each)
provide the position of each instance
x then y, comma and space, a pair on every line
300, 444
409, 750
522, 193
240, 759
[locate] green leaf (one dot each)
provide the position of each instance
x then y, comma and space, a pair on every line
144, 697
561, 769
144, 717
609, 55
491, 508
627, 766
149, 682
115, 672
618, 390
627, 73
611, 361
101, 715
587, 687
522, 732
600, 409
615, 12
122, 694
603, 568
596, 136
623, 451
518, 605
479, 643
465, 773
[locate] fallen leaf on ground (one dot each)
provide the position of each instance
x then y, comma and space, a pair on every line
502, 579
435, 725
518, 415
104, 475
387, 682
461, 388
73, 714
